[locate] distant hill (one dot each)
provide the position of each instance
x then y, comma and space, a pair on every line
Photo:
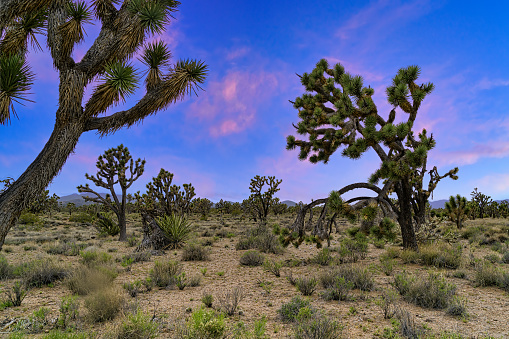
289, 203
77, 199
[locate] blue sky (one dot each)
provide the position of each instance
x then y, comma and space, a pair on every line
236, 128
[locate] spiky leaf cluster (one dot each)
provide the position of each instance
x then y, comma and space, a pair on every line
202, 206
15, 80
457, 209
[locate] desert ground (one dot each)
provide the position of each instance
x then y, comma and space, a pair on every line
469, 265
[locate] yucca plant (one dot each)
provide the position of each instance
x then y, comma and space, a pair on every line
176, 229
106, 225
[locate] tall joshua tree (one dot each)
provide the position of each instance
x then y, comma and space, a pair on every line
338, 111
112, 170
123, 32
261, 201
457, 210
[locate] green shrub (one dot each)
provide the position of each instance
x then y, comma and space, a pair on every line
260, 238
106, 226
83, 218
40, 272
409, 256
360, 277
136, 326
317, 327
16, 294
69, 311
457, 307
163, 274
176, 229
133, 287
351, 250
289, 311
56, 334
28, 218
337, 289
93, 257
504, 281
505, 258
207, 299
5, 268
83, 280
492, 258
66, 248
103, 304
323, 257
387, 265
432, 291
485, 274
306, 285
195, 252
206, 324
136, 257
252, 258
273, 267
440, 255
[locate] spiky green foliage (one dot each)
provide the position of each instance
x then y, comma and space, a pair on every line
261, 201
176, 229
457, 209
337, 111
15, 79
112, 166
156, 56
78, 14
203, 206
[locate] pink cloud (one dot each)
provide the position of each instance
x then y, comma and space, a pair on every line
498, 182
489, 84
472, 155
230, 105
237, 53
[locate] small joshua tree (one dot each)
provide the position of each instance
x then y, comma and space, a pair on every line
112, 166
480, 202
202, 206
163, 198
261, 202
338, 111
457, 210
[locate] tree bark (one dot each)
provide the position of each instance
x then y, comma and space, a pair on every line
153, 236
38, 175
404, 192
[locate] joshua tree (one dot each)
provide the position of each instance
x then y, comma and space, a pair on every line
70, 207
480, 201
334, 116
202, 206
260, 201
457, 210
163, 198
112, 166
123, 32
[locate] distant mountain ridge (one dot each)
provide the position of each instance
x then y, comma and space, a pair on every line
77, 199
441, 203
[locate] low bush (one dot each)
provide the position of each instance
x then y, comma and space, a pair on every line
229, 300
94, 257
83, 218
104, 304
206, 324
289, 311
136, 257
5, 268
306, 285
40, 272
164, 273
360, 277
207, 299
16, 294
28, 219
66, 248
440, 255
260, 238
317, 327
505, 258
136, 325
273, 267
323, 257
84, 280
337, 289
486, 274
457, 307
351, 250
252, 258
432, 291
195, 252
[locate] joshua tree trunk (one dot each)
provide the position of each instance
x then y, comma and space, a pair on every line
38, 175
404, 192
